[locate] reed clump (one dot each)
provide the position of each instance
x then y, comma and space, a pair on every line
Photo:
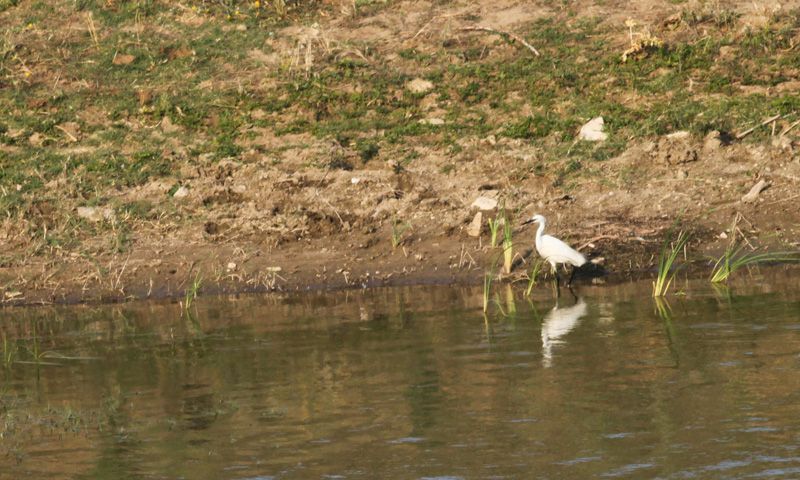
734, 258
669, 253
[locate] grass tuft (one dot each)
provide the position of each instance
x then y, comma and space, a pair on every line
669, 253
733, 259
508, 244
398, 229
191, 292
494, 228
533, 276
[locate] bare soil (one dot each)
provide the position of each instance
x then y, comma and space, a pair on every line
259, 221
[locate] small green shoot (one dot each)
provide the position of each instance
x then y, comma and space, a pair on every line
733, 259
494, 227
533, 276
669, 253
9, 352
191, 292
488, 278
398, 228
508, 245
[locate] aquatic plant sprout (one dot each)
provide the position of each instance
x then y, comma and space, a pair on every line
669, 253
733, 259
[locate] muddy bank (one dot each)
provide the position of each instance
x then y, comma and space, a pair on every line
248, 228
321, 147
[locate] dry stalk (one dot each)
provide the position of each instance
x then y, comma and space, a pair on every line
512, 36
752, 129
92, 29
790, 127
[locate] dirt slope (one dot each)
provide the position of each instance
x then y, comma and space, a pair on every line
260, 147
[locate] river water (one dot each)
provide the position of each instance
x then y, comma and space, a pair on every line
410, 383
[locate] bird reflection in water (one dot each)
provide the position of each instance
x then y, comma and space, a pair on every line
558, 322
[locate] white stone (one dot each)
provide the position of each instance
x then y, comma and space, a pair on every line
592, 131
95, 214
181, 192
419, 85
680, 134
432, 121
484, 203
474, 228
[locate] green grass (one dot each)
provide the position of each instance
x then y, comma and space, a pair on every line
666, 262
533, 276
508, 244
734, 259
494, 229
399, 228
9, 352
488, 280
191, 292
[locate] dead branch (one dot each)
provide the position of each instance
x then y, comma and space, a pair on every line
512, 36
787, 129
750, 130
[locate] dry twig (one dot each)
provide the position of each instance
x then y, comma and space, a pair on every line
750, 130
787, 129
512, 36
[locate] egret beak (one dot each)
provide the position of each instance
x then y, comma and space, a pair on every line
526, 222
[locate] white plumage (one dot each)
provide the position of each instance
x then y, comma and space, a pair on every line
553, 250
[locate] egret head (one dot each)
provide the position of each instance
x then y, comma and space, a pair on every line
534, 219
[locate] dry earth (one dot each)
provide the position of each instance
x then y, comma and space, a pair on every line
274, 221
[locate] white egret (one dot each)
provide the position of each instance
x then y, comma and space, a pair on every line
554, 251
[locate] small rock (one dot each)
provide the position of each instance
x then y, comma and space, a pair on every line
680, 134
181, 192
231, 266
475, 226
123, 59
723, 235
239, 188
484, 203
752, 195
355, 180
96, 214
712, 142
241, 27
419, 85
681, 174
592, 131
432, 121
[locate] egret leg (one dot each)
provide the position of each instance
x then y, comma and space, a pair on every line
571, 277
554, 270
574, 296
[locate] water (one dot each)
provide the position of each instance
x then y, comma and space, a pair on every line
410, 383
